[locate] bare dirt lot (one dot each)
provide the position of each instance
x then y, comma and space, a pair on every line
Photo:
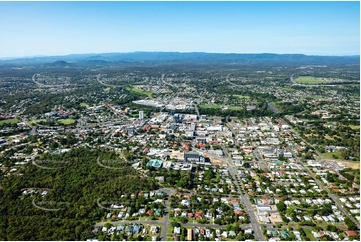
275, 218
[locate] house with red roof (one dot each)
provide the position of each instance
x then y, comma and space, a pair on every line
350, 233
198, 215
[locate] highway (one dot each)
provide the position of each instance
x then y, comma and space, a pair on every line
104, 84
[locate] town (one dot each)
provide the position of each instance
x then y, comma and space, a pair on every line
270, 156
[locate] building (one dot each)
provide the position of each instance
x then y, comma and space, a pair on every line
189, 234
155, 163
193, 157
141, 114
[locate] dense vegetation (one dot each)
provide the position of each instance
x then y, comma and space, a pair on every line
73, 189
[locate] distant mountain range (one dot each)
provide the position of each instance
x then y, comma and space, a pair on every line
179, 58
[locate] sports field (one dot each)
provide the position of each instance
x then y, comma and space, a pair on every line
139, 91
310, 80
330, 155
36, 121
67, 121
234, 107
83, 105
209, 106
9, 121
241, 96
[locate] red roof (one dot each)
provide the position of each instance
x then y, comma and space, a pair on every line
238, 212
350, 233
198, 214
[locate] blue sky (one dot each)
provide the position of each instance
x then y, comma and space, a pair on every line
60, 28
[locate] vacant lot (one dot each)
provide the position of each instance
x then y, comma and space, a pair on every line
9, 121
351, 164
310, 80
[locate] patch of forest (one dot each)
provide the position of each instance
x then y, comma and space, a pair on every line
75, 184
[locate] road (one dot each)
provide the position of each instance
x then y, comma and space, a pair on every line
244, 197
170, 84
197, 111
104, 84
231, 82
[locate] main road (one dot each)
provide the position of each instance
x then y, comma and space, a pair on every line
250, 211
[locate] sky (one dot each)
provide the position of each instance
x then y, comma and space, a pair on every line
61, 28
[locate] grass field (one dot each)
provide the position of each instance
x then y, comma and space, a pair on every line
67, 121
36, 121
83, 105
209, 106
354, 126
309, 80
106, 89
328, 137
309, 234
248, 157
330, 155
241, 96
351, 164
138, 91
289, 89
234, 108
10, 121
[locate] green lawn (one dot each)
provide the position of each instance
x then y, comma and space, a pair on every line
330, 155
106, 89
234, 107
309, 80
309, 234
83, 105
241, 96
67, 121
354, 126
139, 91
9, 121
36, 121
289, 89
209, 106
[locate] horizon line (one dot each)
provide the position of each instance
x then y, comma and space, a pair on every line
180, 52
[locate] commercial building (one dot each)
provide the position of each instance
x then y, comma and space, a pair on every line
193, 157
